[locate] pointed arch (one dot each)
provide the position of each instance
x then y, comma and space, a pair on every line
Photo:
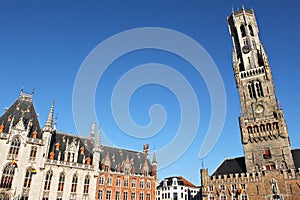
48, 179
28, 178
61, 182
7, 176
251, 30
14, 147
243, 31
74, 183
86, 184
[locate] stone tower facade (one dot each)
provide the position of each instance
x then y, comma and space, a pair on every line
270, 169
263, 128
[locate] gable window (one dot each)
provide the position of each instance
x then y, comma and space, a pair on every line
86, 185
14, 147
7, 176
61, 182
33, 153
48, 180
74, 183
28, 178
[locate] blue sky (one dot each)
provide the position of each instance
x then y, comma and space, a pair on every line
43, 44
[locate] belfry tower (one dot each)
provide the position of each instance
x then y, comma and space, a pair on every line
263, 128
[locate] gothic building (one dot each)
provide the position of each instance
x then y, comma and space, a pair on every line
269, 168
43, 163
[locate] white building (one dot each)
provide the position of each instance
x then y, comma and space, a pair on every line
177, 188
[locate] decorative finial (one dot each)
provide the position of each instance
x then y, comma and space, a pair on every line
154, 161
243, 7
232, 10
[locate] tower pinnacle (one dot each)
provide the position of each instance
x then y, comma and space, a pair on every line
49, 123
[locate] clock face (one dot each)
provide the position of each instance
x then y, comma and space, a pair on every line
246, 49
259, 108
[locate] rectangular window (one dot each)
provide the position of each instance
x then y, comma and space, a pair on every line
33, 152
100, 194
233, 187
118, 196
148, 185
126, 183
148, 196
210, 188
141, 196
109, 181
132, 195
108, 195
133, 183
141, 184
222, 187
118, 182
125, 196
101, 182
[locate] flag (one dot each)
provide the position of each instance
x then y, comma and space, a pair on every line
240, 190
33, 171
14, 163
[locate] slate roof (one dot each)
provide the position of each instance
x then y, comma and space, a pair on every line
231, 166
180, 181
237, 165
23, 109
117, 156
61, 141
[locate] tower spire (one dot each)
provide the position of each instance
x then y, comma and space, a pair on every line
97, 145
48, 126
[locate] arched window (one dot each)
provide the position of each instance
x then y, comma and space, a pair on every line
61, 182
14, 147
48, 180
28, 178
242, 28
251, 30
249, 128
74, 183
259, 89
86, 184
7, 176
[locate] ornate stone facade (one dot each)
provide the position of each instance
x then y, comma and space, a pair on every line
269, 169
42, 163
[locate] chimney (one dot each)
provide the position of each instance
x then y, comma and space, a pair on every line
146, 149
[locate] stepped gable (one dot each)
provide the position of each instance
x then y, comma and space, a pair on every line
296, 157
118, 158
231, 166
22, 109
63, 142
